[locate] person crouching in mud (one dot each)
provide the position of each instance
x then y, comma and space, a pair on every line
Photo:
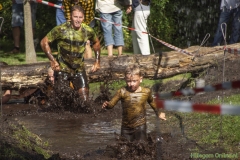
133, 99
71, 39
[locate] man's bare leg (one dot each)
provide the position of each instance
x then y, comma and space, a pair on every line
84, 93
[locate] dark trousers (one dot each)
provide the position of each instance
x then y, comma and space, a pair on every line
225, 16
135, 134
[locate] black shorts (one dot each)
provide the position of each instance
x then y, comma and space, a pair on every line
79, 80
135, 134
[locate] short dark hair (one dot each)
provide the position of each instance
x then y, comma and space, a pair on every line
133, 70
78, 8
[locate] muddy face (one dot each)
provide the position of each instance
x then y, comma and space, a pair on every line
133, 82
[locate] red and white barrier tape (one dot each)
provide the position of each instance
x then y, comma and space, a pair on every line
49, 4
190, 107
208, 88
172, 47
230, 50
164, 43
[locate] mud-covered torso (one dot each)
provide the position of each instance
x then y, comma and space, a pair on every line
133, 106
71, 45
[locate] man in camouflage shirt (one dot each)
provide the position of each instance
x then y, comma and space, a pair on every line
71, 38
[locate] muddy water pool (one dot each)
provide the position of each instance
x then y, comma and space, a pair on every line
71, 132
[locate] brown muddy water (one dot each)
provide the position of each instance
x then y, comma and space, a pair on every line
68, 132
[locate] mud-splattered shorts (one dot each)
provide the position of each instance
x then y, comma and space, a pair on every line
78, 80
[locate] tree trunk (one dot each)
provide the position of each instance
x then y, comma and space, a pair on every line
29, 44
153, 67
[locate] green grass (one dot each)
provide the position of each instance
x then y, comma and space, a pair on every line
233, 100
25, 139
211, 130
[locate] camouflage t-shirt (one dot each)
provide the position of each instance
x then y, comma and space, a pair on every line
133, 106
71, 45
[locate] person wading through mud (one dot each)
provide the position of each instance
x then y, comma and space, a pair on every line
133, 99
71, 39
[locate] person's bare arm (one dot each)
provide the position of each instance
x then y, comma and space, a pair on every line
97, 51
47, 50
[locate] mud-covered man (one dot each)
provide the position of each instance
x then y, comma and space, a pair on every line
133, 99
71, 39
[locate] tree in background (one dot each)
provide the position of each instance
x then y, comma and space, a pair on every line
31, 56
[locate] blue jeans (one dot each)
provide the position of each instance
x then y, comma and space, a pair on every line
117, 38
225, 15
60, 18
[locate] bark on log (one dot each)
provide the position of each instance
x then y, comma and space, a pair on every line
172, 63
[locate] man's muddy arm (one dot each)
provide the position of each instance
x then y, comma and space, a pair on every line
47, 50
97, 51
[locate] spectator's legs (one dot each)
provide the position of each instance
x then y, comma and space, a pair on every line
224, 17
110, 50
118, 33
60, 18
235, 26
119, 48
16, 39
107, 32
17, 22
140, 40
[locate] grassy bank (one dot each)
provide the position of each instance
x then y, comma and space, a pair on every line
17, 142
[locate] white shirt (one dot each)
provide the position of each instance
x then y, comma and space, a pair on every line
107, 6
230, 4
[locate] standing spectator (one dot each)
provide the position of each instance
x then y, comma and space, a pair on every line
229, 10
140, 40
17, 21
111, 11
60, 17
88, 7
71, 38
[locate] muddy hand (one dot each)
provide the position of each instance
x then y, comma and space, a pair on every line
162, 116
55, 66
105, 104
95, 67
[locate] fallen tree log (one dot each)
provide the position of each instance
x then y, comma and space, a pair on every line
154, 66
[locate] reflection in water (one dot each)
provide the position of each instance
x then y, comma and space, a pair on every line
77, 134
